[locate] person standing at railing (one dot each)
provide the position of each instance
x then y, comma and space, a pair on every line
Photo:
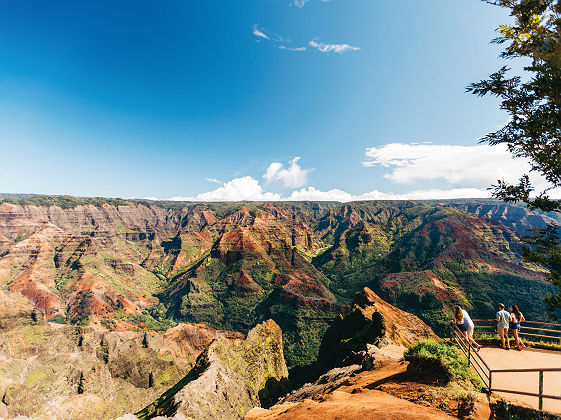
464, 323
503, 318
516, 318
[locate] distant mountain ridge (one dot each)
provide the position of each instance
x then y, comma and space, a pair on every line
129, 263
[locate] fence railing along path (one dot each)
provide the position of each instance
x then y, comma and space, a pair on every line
531, 330
487, 373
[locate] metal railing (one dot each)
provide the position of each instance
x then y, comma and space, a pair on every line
472, 356
486, 373
531, 330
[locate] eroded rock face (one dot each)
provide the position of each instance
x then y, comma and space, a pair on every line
228, 381
50, 370
373, 329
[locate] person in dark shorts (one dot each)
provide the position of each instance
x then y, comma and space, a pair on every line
463, 322
516, 318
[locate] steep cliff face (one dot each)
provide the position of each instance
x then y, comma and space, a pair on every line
233, 265
228, 381
372, 330
373, 336
84, 261
49, 370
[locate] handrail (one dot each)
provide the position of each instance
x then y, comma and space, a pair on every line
530, 322
532, 330
528, 370
461, 340
525, 328
529, 394
464, 344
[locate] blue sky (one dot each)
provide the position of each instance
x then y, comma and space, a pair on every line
248, 99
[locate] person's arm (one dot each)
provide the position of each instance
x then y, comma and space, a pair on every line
498, 317
522, 319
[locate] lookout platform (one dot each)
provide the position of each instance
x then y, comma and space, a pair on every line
499, 359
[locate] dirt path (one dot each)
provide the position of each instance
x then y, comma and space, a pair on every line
367, 404
357, 398
498, 358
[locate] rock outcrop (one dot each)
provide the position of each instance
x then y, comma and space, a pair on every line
373, 331
373, 328
228, 381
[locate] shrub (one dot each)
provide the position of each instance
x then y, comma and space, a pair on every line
58, 319
438, 360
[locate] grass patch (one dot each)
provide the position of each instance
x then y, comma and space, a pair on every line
439, 361
58, 319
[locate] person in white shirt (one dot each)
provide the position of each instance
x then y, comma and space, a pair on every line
465, 325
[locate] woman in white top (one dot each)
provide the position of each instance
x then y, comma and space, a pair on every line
516, 318
463, 322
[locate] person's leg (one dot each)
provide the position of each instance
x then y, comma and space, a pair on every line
516, 339
473, 342
520, 342
470, 332
507, 340
500, 330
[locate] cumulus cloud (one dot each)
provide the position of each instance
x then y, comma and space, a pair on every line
292, 177
329, 48
469, 171
246, 188
475, 165
313, 194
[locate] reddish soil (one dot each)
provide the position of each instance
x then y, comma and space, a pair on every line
383, 393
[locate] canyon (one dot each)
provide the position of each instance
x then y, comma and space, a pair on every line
134, 265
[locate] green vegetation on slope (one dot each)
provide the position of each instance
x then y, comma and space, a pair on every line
439, 360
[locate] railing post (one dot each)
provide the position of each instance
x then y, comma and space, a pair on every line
469, 354
490, 377
540, 404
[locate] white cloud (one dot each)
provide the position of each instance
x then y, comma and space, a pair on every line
479, 165
313, 194
299, 3
336, 48
469, 170
302, 3
292, 177
259, 33
281, 42
238, 189
248, 189
284, 47
214, 180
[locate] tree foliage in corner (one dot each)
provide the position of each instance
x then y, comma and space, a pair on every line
534, 129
